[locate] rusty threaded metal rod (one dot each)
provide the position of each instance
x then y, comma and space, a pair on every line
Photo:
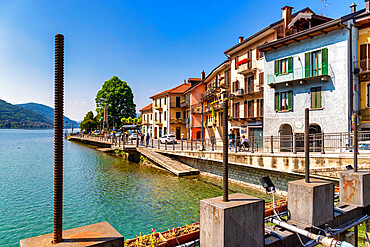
355, 140
225, 153
58, 139
307, 145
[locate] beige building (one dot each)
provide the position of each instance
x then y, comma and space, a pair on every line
216, 86
168, 114
147, 119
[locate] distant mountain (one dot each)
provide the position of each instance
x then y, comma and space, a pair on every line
47, 112
12, 116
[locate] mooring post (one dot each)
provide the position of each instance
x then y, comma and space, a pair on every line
225, 153
165, 145
152, 143
173, 145
294, 143
355, 140
182, 144
58, 139
159, 147
272, 144
191, 144
307, 145
137, 141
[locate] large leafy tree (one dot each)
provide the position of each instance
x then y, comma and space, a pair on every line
89, 123
119, 99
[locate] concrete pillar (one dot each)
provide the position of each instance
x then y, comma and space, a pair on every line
311, 203
238, 222
354, 188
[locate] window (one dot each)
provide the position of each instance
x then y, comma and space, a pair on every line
315, 97
160, 117
364, 57
155, 116
156, 102
165, 116
178, 99
165, 100
236, 62
284, 66
368, 95
235, 110
260, 108
249, 84
151, 116
236, 86
165, 130
260, 54
316, 63
284, 101
178, 115
250, 108
261, 79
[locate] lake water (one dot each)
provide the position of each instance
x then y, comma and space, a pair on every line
97, 187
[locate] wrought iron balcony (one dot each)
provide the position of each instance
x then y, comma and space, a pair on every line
248, 67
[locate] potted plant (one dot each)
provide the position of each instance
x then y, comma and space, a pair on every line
155, 239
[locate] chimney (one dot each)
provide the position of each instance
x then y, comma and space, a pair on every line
241, 38
287, 15
184, 81
203, 75
367, 5
353, 8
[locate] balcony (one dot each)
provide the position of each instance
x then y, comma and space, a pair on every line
184, 104
364, 65
301, 75
224, 84
250, 66
196, 110
177, 121
158, 122
158, 107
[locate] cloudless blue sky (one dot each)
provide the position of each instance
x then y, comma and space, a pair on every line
152, 45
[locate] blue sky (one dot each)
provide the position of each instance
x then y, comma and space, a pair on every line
152, 45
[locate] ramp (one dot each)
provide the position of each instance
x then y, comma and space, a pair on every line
174, 166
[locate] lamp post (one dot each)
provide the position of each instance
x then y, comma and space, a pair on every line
225, 152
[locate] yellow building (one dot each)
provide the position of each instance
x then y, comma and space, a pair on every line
168, 113
363, 24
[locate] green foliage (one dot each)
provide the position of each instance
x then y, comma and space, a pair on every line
131, 120
47, 112
89, 123
119, 99
12, 116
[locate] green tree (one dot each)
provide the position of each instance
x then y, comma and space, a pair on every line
89, 123
119, 99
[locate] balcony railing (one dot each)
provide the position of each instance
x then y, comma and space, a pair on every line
364, 65
184, 104
247, 67
224, 84
158, 107
176, 120
302, 74
158, 121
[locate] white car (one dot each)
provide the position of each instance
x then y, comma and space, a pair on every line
133, 136
168, 138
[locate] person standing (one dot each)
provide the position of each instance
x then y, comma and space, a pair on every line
182, 136
147, 139
231, 139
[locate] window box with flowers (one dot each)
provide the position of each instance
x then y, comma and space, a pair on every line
243, 61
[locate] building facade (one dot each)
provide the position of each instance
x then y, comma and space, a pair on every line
168, 115
147, 119
309, 69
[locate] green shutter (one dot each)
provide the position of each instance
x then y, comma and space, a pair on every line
290, 64
325, 61
276, 67
276, 101
307, 64
290, 100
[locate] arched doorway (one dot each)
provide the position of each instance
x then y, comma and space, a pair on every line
286, 138
315, 137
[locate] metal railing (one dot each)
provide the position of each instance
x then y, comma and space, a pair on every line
318, 143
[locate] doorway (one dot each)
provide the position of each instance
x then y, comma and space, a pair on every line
178, 133
286, 138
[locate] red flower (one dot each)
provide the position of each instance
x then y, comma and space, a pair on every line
243, 61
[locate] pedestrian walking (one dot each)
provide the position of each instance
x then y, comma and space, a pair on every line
231, 139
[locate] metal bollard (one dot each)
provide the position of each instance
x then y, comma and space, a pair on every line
272, 144
159, 147
182, 144
252, 144
152, 143
322, 143
173, 145
191, 144
165, 145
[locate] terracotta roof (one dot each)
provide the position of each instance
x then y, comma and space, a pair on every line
179, 89
194, 79
148, 107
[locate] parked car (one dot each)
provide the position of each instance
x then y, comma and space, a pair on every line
168, 138
133, 136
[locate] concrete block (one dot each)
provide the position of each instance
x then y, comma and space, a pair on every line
354, 188
311, 203
239, 222
101, 235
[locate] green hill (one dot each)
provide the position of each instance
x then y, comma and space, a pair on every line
12, 116
47, 112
